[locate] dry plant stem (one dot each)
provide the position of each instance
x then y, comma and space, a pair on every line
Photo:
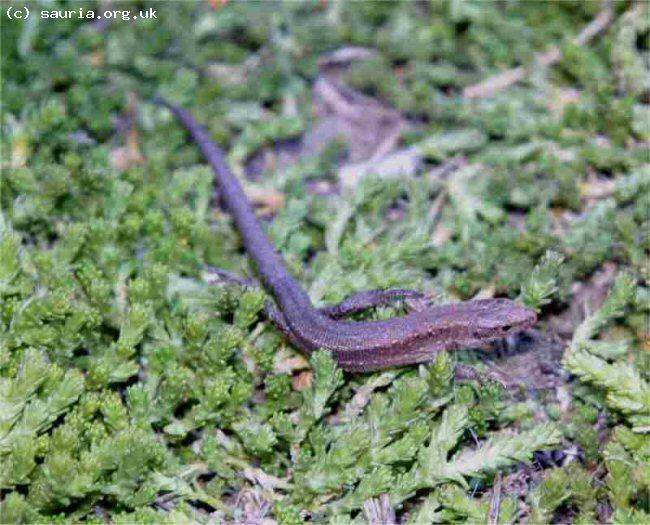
506, 79
495, 501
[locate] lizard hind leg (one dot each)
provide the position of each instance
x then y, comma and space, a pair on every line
214, 275
352, 304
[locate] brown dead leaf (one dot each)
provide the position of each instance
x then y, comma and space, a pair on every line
486, 293
19, 150
586, 297
228, 74
346, 55
288, 363
598, 188
303, 381
97, 59
217, 4
267, 200
322, 187
266, 481
403, 162
129, 155
363, 395
370, 128
441, 235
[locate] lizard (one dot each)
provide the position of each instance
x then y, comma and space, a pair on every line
357, 346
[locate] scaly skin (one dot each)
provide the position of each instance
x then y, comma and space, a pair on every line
363, 345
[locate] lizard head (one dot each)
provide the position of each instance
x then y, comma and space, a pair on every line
499, 317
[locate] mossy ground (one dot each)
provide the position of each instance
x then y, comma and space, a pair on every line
131, 390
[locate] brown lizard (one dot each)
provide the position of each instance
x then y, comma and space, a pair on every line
356, 345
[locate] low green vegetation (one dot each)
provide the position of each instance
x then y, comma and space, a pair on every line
133, 390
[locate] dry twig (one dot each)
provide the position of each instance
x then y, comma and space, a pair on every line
495, 501
506, 79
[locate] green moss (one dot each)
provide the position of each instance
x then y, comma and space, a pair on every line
133, 391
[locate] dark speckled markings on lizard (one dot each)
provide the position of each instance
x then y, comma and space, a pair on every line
356, 345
